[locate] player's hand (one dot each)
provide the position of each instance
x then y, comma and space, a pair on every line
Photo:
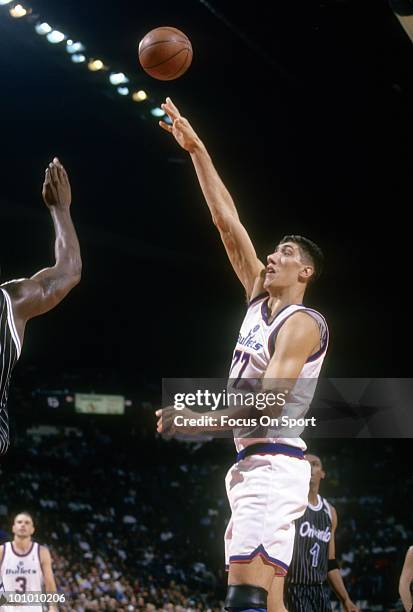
166, 424
181, 129
56, 187
349, 606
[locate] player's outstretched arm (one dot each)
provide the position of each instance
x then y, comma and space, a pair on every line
406, 578
238, 245
334, 577
48, 577
43, 291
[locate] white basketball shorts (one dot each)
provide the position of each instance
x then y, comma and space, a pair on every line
267, 493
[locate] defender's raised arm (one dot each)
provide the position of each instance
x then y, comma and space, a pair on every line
224, 214
43, 291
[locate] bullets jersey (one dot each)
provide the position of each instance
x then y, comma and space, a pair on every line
9, 354
21, 573
309, 564
253, 352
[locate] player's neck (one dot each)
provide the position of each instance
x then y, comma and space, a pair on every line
283, 298
313, 496
22, 544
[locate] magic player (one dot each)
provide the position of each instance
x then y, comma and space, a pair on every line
268, 485
23, 299
314, 554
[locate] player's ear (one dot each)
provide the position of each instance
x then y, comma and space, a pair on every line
306, 273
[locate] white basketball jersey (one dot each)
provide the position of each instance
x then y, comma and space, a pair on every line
21, 573
253, 352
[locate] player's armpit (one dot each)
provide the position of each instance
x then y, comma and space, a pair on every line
240, 250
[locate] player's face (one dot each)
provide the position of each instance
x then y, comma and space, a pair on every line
23, 525
283, 267
317, 472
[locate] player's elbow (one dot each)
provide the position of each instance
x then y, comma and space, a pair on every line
221, 220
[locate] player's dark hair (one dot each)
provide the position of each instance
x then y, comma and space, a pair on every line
25, 513
310, 250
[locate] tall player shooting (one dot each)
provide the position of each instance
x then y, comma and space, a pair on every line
25, 566
268, 486
314, 554
23, 299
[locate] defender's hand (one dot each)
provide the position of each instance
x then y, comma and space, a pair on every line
56, 187
349, 606
181, 129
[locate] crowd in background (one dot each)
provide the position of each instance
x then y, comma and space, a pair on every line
135, 522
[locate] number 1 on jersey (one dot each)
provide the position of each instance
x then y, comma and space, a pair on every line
315, 553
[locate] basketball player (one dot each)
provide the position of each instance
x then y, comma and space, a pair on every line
25, 565
280, 339
22, 299
314, 554
406, 581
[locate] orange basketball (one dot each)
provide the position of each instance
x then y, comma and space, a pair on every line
165, 53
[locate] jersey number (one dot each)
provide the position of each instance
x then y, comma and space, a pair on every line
315, 553
22, 582
240, 357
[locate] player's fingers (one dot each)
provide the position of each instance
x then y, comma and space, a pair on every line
172, 109
171, 114
165, 126
53, 172
47, 177
172, 106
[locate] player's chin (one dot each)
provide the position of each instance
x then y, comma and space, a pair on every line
270, 283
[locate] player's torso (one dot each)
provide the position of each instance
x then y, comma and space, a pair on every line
9, 354
9, 343
254, 349
21, 572
257, 337
309, 564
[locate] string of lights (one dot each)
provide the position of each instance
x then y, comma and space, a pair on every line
78, 54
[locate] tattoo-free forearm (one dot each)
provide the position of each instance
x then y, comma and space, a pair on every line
67, 249
336, 582
216, 194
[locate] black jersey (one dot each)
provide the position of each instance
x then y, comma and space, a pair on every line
9, 354
309, 564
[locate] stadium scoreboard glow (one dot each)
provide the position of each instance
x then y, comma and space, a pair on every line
87, 403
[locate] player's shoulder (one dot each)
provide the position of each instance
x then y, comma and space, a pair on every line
298, 322
17, 290
331, 510
44, 552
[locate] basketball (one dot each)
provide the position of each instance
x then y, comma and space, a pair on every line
165, 53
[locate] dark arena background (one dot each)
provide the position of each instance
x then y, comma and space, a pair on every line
306, 109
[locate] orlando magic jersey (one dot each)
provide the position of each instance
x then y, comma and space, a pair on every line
253, 352
309, 564
21, 573
9, 354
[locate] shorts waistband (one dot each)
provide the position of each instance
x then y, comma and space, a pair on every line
270, 449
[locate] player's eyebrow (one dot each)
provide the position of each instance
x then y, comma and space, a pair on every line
284, 245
